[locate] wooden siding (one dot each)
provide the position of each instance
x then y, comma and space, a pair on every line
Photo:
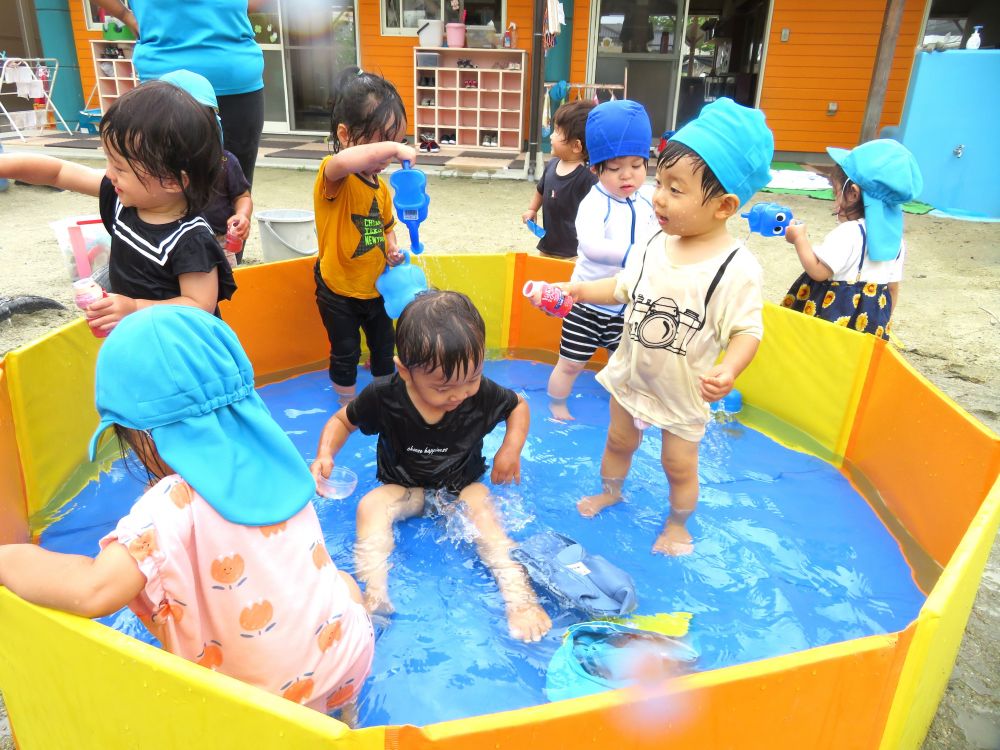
829, 57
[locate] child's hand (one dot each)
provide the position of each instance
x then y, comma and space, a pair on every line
239, 225
506, 466
716, 383
795, 231
529, 215
321, 467
393, 255
106, 313
406, 153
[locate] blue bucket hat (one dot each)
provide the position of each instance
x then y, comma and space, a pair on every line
735, 143
618, 128
888, 176
181, 374
196, 85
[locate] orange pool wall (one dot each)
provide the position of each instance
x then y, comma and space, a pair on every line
70, 682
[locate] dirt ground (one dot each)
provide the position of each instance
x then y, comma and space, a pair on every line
947, 323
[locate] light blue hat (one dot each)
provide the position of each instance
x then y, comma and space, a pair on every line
181, 374
196, 85
618, 128
888, 176
735, 143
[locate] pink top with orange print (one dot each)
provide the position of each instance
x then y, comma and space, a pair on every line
263, 604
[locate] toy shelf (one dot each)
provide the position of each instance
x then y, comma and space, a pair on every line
115, 74
477, 107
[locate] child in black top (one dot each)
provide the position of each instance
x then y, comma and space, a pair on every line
431, 417
564, 183
164, 157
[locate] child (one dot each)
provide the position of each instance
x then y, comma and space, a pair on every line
691, 292
431, 418
852, 279
231, 206
164, 156
355, 223
615, 216
565, 182
222, 558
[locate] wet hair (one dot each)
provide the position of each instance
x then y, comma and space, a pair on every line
160, 130
441, 329
143, 451
674, 151
839, 179
571, 119
367, 105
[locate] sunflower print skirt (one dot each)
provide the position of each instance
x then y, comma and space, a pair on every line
862, 306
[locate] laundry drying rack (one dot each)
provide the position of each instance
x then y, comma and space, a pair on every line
33, 79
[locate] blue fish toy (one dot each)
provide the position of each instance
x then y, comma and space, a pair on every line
768, 219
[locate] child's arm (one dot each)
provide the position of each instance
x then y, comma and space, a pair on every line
47, 170
335, 433
393, 255
239, 222
533, 205
117, 9
91, 587
600, 292
197, 290
894, 295
592, 242
795, 234
718, 381
367, 157
507, 461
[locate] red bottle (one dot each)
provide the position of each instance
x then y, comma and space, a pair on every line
548, 297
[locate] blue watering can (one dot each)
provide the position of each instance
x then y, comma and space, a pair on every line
411, 200
399, 285
769, 219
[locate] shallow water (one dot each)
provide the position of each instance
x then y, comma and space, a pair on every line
788, 556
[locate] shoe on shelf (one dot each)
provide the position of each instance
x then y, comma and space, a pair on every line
513, 66
423, 148
432, 146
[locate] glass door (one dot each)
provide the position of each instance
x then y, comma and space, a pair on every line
266, 23
321, 38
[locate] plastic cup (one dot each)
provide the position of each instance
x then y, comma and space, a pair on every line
338, 485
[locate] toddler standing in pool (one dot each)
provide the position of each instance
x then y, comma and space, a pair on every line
223, 557
852, 279
431, 417
691, 292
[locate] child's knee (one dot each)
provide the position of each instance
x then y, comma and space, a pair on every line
680, 469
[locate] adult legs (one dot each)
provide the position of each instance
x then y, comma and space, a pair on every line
621, 444
242, 118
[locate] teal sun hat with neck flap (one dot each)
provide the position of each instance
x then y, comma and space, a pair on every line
198, 87
888, 176
735, 143
181, 374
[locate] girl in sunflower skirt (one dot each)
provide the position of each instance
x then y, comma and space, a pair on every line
852, 278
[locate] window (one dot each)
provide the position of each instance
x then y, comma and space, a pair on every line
404, 17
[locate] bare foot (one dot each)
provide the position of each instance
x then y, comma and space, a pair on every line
591, 505
528, 622
675, 540
559, 410
377, 601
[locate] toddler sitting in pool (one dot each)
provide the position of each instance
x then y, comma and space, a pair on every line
223, 557
431, 417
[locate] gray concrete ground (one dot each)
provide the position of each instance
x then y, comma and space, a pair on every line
947, 322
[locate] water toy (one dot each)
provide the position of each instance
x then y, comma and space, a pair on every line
673, 624
536, 229
398, 285
577, 579
768, 219
411, 200
887, 429
548, 297
598, 656
338, 485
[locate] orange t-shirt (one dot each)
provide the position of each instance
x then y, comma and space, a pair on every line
351, 224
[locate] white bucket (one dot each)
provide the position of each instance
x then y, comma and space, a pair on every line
431, 33
287, 233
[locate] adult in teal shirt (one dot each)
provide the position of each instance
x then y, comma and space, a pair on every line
210, 37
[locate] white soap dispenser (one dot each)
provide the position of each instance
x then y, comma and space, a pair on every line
974, 39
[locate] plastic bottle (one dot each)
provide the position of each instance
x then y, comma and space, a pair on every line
974, 39
548, 297
232, 245
86, 292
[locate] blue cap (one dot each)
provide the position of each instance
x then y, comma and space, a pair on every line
618, 128
735, 143
181, 374
196, 85
888, 176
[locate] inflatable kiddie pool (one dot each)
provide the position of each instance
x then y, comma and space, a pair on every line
926, 468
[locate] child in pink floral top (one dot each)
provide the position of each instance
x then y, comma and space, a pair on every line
223, 557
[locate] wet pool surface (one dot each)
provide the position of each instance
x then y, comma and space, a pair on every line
788, 556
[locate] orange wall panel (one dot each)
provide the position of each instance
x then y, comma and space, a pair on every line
829, 56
